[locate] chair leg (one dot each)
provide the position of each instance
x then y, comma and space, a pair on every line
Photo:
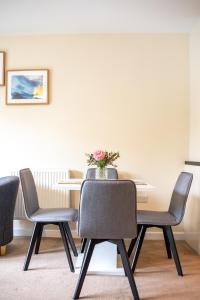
133, 241
31, 246
70, 238
174, 250
130, 249
84, 268
37, 247
83, 244
66, 246
127, 268
138, 247
2, 250
167, 244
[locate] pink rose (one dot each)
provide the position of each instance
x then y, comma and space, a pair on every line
99, 155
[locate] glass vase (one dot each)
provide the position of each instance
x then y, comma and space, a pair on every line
101, 173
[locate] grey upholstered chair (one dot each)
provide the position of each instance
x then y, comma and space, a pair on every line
164, 220
107, 212
44, 216
112, 173
8, 194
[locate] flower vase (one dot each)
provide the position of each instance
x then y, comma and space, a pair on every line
101, 173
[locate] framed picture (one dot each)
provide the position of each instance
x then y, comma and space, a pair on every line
27, 87
2, 68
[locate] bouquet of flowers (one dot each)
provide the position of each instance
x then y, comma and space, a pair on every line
101, 159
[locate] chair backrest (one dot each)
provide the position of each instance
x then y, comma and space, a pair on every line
8, 194
107, 209
31, 204
180, 195
112, 173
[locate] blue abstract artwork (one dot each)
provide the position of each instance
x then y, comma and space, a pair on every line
27, 87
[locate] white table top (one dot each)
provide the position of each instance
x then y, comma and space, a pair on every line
75, 185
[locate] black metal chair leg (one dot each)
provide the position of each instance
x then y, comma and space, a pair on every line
138, 247
84, 268
31, 246
127, 269
66, 246
133, 241
83, 243
167, 244
130, 249
37, 247
70, 238
174, 250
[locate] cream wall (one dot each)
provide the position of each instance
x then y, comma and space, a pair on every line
192, 219
125, 92
194, 149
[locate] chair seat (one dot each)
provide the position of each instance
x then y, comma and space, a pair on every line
55, 215
155, 218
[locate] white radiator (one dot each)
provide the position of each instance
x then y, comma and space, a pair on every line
49, 195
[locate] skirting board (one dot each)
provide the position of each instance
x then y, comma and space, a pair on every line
55, 233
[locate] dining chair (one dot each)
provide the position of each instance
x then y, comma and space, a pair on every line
44, 216
8, 194
112, 173
107, 212
90, 174
164, 220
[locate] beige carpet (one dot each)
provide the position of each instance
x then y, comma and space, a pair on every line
49, 277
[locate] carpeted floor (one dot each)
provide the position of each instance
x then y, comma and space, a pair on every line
49, 277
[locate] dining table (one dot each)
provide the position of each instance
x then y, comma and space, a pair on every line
105, 258
75, 184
